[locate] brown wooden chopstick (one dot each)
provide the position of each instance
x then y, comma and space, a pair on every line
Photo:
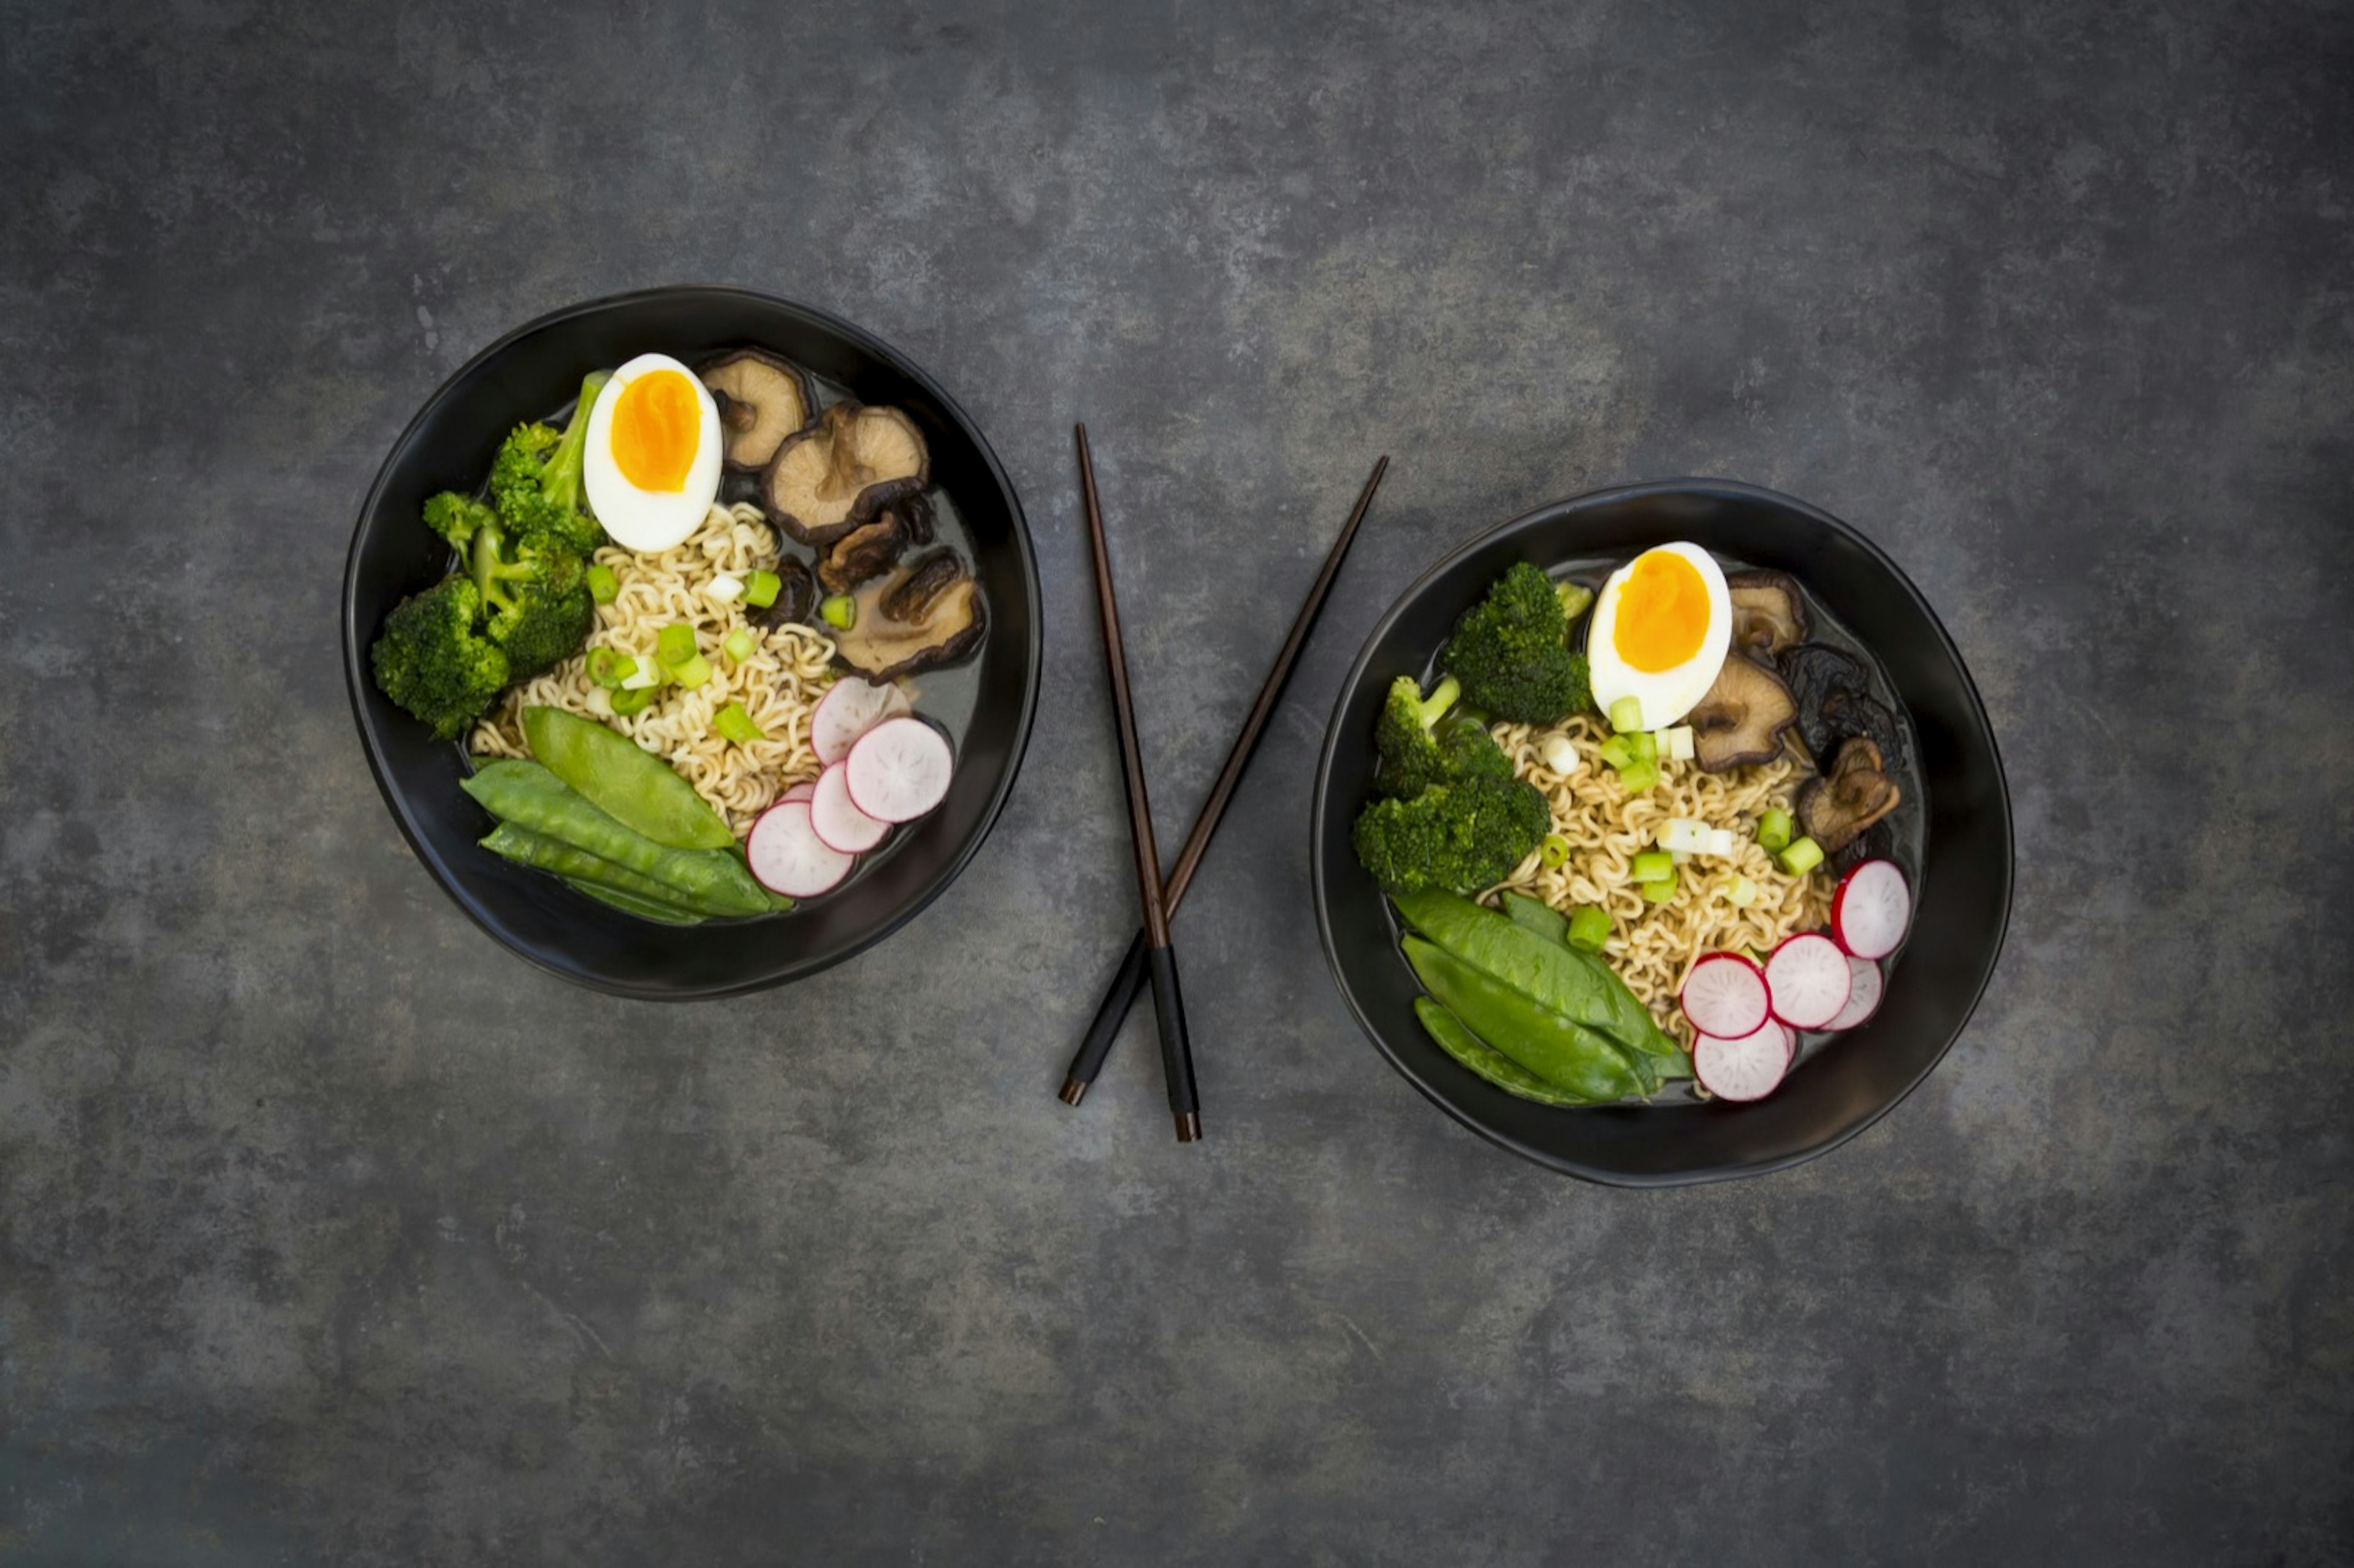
1129, 982
1176, 1052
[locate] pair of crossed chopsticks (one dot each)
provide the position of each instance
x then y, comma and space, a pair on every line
1151, 953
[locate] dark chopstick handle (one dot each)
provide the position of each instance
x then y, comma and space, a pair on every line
1176, 1055
1125, 988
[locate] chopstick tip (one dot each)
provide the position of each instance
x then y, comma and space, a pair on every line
1189, 1127
1074, 1091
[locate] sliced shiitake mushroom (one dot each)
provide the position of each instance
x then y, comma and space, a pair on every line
1768, 612
842, 471
873, 547
762, 399
797, 597
1741, 719
1856, 793
927, 613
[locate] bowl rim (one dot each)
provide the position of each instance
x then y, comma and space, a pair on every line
356, 673
1319, 803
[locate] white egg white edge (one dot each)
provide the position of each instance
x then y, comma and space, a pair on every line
620, 501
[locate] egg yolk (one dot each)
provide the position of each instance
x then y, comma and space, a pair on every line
1662, 612
656, 426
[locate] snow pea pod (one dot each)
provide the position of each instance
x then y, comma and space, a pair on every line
584, 870
527, 795
1486, 1060
629, 903
1564, 1053
621, 778
1536, 915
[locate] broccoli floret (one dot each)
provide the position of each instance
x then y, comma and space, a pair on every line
535, 480
430, 660
535, 602
1510, 651
457, 517
1422, 743
1461, 837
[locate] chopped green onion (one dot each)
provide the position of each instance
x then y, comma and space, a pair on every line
1575, 598
726, 588
1662, 890
1617, 751
633, 699
741, 644
692, 674
608, 667
1741, 893
1677, 743
1654, 865
644, 676
1801, 857
603, 586
1646, 744
1589, 928
761, 588
1686, 833
1637, 776
676, 646
1553, 853
1774, 830
1559, 755
839, 611
1626, 713
737, 725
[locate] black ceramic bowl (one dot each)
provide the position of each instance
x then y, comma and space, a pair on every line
1962, 899
527, 375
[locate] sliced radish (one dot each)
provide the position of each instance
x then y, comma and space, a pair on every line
1789, 1045
787, 857
800, 791
849, 709
836, 819
898, 770
1725, 995
1743, 1069
1806, 980
1871, 909
1863, 992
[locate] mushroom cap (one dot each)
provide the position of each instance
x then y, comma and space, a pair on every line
1853, 794
873, 547
928, 612
827, 479
797, 597
1769, 614
762, 399
1741, 719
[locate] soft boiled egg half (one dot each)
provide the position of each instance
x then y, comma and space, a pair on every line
652, 467
1660, 628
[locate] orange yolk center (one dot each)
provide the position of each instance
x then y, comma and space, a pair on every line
655, 428
1662, 612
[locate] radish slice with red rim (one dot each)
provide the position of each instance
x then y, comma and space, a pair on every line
849, 709
1806, 980
1789, 1045
1743, 1069
787, 857
835, 818
1725, 995
1864, 989
898, 770
800, 791
1871, 909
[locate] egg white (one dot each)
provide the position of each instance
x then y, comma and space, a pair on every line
649, 520
1666, 695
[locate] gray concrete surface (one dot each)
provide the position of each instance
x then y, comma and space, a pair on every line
329, 1233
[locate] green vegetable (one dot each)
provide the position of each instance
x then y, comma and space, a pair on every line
431, 661
621, 778
542, 852
1553, 851
1576, 985
457, 518
1646, 745
1589, 928
1774, 831
838, 611
1741, 893
1511, 652
1637, 776
603, 586
1422, 743
535, 480
741, 644
1486, 1060
608, 667
1576, 599
654, 909
760, 589
1801, 857
634, 699
676, 644
692, 674
1459, 836
1565, 1055
535, 605
734, 724
1619, 751
1536, 915
1653, 865
526, 795
1626, 715
1660, 889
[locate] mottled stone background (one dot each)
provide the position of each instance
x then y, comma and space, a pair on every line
329, 1233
